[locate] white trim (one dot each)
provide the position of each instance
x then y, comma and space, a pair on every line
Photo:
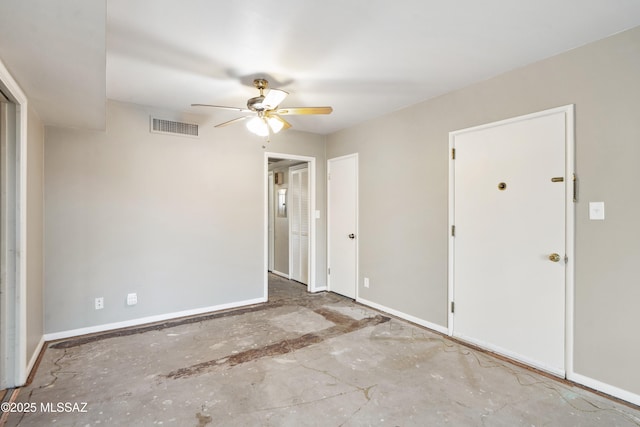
311, 161
146, 320
451, 249
21, 245
279, 273
568, 110
270, 221
549, 112
407, 317
346, 156
289, 227
605, 388
515, 356
22, 110
265, 225
35, 355
570, 238
357, 225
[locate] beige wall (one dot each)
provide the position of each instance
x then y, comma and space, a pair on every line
35, 232
404, 188
178, 220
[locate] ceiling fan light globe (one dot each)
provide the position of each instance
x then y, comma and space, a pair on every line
275, 124
258, 126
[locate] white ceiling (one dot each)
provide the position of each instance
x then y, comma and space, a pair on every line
363, 57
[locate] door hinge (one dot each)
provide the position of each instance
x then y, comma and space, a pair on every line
453, 231
329, 271
575, 188
453, 307
453, 154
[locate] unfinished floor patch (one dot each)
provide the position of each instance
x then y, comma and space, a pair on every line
357, 312
302, 321
252, 368
340, 325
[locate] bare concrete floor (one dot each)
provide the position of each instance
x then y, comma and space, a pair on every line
298, 360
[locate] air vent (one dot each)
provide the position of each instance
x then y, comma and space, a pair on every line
168, 126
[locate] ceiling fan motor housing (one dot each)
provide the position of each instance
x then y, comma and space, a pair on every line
255, 104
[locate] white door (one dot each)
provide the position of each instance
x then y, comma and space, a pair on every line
342, 223
299, 223
509, 241
271, 221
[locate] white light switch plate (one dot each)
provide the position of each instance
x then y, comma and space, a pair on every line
596, 211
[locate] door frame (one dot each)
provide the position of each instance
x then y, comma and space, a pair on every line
17, 369
270, 221
570, 199
311, 162
357, 227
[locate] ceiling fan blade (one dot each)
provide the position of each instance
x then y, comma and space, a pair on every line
230, 122
287, 125
274, 98
305, 110
241, 110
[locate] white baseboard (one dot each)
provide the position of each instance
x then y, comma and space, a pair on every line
408, 317
577, 378
605, 388
553, 370
277, 273
145, 320
320, 289
34, 357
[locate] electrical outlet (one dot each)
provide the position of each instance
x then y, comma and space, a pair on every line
366, 282
132, 299
99, 303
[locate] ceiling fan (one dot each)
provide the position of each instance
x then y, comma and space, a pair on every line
267, 119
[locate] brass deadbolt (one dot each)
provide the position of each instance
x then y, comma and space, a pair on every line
502, 186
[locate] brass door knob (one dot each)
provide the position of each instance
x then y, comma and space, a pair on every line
554, 257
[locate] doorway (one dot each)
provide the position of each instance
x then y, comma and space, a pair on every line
289, 226
511, 244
